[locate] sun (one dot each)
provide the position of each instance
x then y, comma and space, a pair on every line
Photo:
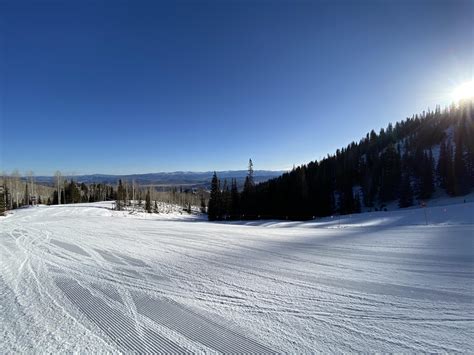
464, 91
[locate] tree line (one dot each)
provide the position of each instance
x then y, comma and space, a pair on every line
406, 162
18, 191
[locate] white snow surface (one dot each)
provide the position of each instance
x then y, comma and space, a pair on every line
84, 278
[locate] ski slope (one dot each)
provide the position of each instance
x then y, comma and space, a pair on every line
85, 278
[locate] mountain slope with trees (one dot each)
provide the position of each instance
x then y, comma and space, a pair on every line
406, 162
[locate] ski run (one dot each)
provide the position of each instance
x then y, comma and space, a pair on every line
84, 278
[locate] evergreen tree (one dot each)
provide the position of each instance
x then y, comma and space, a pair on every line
357, 205
214, 207
55, 197
430, 174
461, 176
248, 193
249, 181
8, 197
406, 192
442, 168
368, 192
346, 199
91, 194
112, 194
390, 175
3, 200
235, 197
26, 198
203, 204
450, 178
73, 194
155, 207
120, 202
226, 201
140, 201
426, 180
148, 201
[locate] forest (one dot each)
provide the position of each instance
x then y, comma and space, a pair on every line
406, 163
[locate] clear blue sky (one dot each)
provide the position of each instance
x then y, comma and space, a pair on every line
148, 86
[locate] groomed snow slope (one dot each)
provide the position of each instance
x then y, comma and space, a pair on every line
85, 278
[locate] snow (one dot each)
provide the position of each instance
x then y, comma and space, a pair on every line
84, 278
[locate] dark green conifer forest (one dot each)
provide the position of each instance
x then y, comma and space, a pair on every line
406, 163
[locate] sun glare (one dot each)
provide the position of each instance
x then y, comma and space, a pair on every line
464, 91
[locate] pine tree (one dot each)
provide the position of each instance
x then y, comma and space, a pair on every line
214, 207
450, 178
249, 180
226, 200
426, 183
248, 193
357, 205
119, 203
390, 175
3, 200
442, 168
140, 201
73, 194
235, 197
8, 197
148, 201
112, 193
406, 192
55, 198
346, 199
26, 199
430, 174
203, 204
366, 183
461, 179
155, 207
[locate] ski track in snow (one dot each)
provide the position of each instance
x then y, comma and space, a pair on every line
85, 278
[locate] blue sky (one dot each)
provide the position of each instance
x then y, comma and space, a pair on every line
137, 86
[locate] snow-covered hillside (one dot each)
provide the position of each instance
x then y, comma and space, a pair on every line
85, 278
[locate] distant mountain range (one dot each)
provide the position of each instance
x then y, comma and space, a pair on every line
177, 178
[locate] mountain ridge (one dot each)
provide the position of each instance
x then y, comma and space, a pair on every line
189, 178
